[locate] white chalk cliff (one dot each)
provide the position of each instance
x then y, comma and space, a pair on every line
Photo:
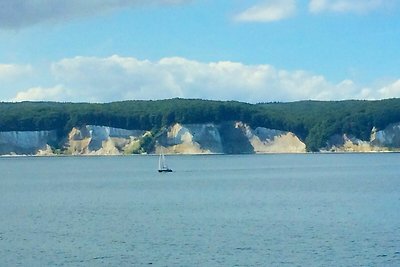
26, 142
266, 140
101, 140
191, 139
228, 138
209, 138
384, 140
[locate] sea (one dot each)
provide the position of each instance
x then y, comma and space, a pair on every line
213, 210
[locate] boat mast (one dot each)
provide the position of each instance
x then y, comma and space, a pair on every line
161, 161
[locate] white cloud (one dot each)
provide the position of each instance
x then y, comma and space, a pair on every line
115, 78
268, 11
120, 78
22, 13
343, 6
12, 72
391, 90
57, 93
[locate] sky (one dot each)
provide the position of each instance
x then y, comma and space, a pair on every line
244, 50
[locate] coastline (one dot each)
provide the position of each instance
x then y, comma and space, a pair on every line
194, 154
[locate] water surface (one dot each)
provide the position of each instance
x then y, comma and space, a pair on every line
252, 210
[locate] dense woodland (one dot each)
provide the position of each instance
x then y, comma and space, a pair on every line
313, 121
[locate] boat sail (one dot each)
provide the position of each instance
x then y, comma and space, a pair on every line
162, 165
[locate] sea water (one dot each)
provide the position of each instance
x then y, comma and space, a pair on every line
216, 210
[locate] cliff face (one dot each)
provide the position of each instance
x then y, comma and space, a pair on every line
229, 138
21, 143
387, 139
101, 140
191, 139
265, 140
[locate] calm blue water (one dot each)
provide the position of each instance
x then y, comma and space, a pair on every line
254, 210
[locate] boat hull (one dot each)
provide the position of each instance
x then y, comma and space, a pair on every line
166, 170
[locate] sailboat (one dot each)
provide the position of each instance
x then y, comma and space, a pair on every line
162, 165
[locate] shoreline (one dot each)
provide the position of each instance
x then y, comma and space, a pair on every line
194, 154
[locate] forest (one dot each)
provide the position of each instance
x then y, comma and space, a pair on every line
312, 121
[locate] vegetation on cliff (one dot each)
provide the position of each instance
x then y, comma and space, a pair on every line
312, 121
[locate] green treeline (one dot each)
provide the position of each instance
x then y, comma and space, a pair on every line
313, 121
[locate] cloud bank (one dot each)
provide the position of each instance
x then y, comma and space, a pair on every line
23, 13
275, 10
10, 72
117, 78
344, 6
268, 11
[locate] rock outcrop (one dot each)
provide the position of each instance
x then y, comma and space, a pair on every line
191, 139
26, 143
101, 140
265, 140
384, 140
389, 137
228, 138
209, 138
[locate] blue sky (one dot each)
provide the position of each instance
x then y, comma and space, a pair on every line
252, 51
